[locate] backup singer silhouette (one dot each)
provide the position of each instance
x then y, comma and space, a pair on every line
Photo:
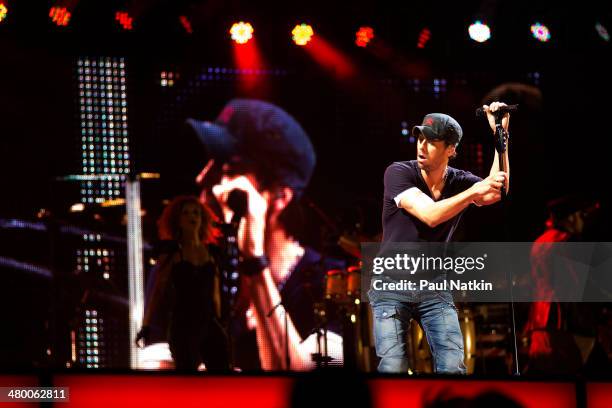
188, 277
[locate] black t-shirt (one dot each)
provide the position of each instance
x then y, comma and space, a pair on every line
401, 226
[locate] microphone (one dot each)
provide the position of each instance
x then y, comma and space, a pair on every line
480, 112
237, 202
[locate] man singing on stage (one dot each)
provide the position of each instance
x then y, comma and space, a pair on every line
423, 202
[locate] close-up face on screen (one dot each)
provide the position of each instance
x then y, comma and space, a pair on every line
298, 204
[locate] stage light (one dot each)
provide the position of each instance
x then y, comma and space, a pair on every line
186, 24
3, 11
540, 32
60, 16
99, 120
405, 131
167, 78
302, 34
479, 32
603, 33
241, 32
79, 207
424, 37
124, 20
364, 36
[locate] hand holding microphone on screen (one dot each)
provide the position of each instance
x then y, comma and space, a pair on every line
251, 230
265, 162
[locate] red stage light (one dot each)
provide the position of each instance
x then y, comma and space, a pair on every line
3, 11
250, 63
124, 19
424, 37
60, 16
186, 24
364, 36
331, 58
241, 32
302, 34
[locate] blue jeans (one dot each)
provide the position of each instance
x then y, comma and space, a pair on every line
438, 318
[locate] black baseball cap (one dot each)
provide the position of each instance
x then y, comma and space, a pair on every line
439, 126
254, 131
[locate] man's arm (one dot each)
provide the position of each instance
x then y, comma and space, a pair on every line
264, 294
506, 161
270, 328
505, 124
433, 213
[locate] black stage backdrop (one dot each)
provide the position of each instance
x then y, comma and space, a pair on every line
559, 147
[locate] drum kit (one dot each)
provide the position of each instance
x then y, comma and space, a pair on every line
342, 304
343, 286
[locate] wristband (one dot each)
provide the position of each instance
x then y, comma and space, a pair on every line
254, 266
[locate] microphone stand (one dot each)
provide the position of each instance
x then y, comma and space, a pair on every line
500, 147
228, 264
237, 201
321, 357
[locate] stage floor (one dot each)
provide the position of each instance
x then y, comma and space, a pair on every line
148, 389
